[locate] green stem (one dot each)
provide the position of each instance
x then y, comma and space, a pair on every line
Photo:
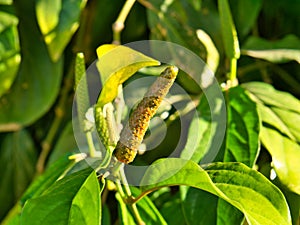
233, 70
128, 193
107, 158
136, 214
120, 189
118, 25
124, 180
142, 195
90, 142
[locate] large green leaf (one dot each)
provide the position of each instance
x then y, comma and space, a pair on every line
278, 109
280, 113
173, 206
9, 51
58, 21
241, 144
229, 35
293, 200
13, 217
38, 186
279, 51
207, 129
242, 137
194, 206
17, 167
74, 199
246, 189
38, 80
116, 64
43, 182
285, 155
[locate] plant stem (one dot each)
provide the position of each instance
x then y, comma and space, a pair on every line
90, 143
118, 25
128, 195
120, 189
233, 71
59, 114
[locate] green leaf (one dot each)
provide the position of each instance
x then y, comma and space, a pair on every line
229, 35
241, 144
280, 113
239, 185
74, 199
173, 206
6, 2
115, 67
58, 21
9, 51
13, 217
279, 51
293, 200
207, 129
38, 80
285, 155
195, 204
47, 13
17, 167
245, 14
278, 109
243, 124
43, 182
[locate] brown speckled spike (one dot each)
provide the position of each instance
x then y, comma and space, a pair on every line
133, 133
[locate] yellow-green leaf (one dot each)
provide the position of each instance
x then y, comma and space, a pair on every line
116, 64
285, 154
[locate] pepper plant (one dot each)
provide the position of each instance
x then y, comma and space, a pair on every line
50, 175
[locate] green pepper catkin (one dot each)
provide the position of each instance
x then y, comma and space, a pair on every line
101, 126
133, 133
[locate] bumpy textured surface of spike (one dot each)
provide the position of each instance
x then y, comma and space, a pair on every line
133, 133
101, 126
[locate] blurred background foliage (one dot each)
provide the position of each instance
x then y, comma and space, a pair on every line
39, 40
